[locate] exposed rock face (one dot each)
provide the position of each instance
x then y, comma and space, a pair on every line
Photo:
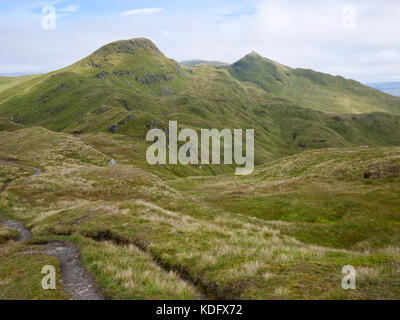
102, 75
43, 98
114, 128
120, 73
152, 78
61, 86
125, 104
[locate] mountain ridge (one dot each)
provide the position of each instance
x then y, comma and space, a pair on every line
195, 62
312, 89
127, 86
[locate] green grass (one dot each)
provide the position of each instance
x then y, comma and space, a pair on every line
132, 84
7, 235
319, 199
312, 89
284, 232
343, 198
126, 272
7, 125
20, 274
8, 82
193, 63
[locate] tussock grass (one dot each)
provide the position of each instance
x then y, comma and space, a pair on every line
284, 232
281, 293
277, 234
7, 235
128, 273
369, 275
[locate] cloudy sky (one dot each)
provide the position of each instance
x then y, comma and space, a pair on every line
358, 39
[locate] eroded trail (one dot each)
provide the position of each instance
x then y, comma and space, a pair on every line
14, 164
77, 283
24, 234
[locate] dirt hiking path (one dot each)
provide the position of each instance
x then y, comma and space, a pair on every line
77, 283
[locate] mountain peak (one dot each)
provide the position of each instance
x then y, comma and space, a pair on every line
131, 46
254, 54
136, 56
257, 60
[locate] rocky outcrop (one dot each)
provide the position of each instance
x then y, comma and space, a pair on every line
114, 128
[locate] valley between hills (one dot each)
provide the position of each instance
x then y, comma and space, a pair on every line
325, 192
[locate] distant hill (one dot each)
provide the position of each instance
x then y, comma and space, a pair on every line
8, 82
127, 87
392, 88
312, 89
192, 63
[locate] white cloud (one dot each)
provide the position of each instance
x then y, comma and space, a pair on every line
54, 2
141, 11
307, 34
70, 8
301, 34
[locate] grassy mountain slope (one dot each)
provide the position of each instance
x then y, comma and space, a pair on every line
192, 63
8, 82
312, 89
180, 232
129, 87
